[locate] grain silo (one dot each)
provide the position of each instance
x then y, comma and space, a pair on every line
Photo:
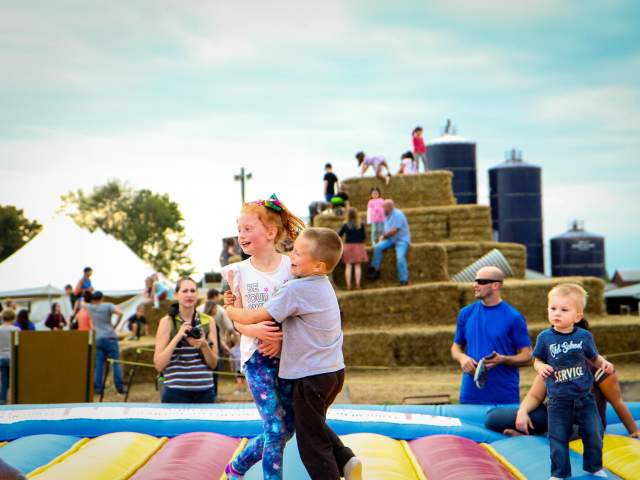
458, 155
515, 194
578, 252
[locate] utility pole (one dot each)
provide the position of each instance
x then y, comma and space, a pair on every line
242, 178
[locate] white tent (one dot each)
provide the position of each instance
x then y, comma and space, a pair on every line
57, 256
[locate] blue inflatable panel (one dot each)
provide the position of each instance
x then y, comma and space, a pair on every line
293, 466
612, 416
31, 452
239, 420
617, 429
530, 455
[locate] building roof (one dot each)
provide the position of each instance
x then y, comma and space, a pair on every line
57, 255
628, 274
632, 291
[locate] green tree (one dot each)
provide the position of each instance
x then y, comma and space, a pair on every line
150, 224
15, 230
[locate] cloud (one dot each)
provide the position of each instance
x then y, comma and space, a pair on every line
523, 11
611, 106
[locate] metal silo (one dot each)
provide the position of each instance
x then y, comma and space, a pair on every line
577, 252
458, 155
515, 193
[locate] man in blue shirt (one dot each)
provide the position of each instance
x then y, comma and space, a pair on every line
494, 330
396, 234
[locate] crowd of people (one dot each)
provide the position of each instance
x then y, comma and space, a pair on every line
492, 343
280, 322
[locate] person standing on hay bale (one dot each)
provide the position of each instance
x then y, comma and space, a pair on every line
497, 343
419, 149
354, 253
378, 163
397, 235
375, 214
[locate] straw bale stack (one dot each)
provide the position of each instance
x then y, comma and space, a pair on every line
431, 345
463, 254
128, 353
530, 296
433, 224
372, 348
426, 304
153, 315
427, 263
408, 191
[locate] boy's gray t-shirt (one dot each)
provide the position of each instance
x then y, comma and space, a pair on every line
101, 316
312, 342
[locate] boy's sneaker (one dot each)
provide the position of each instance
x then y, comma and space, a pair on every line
353, 469
232, 473
600, 473
480, 378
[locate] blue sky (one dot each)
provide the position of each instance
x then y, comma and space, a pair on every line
175, 96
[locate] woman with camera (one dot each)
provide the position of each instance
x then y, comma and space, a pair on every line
186, 349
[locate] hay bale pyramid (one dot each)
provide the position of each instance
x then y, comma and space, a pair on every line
389, 325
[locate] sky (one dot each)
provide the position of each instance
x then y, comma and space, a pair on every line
177, 96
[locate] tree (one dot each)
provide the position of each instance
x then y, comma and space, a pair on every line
15, 230
150, 224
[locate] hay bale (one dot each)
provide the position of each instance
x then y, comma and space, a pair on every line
426, 304
427, 263
515, 253
408, 191
462, 254
153, 315
433, 224
367, 348
423, 348
128, 352
530, 296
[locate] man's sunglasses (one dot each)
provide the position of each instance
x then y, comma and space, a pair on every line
486, 281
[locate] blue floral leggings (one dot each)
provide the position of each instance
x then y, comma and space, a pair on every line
274, 400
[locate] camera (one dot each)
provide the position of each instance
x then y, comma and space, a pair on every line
196, 329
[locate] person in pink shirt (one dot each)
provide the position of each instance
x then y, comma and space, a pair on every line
375, 214
419, 149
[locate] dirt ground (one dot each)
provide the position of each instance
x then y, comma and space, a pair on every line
380, 386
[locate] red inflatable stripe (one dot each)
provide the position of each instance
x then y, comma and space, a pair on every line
449, 457
198, 455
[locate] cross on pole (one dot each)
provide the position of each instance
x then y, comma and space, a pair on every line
242, 178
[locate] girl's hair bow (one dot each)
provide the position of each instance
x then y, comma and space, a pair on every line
272, 202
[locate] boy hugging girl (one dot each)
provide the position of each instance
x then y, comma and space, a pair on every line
560, 357
311, 359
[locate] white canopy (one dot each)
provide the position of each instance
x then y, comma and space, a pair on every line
59, 253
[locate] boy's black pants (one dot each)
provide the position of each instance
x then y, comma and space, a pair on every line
322, 452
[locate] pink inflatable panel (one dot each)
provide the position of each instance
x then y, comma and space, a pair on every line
198, 455
444, 457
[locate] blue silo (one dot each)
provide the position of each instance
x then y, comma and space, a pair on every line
577, 252
458, 155
515, 193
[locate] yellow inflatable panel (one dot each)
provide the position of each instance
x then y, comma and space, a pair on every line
383, 458
59, 458
2, 444
620, 454
115, 456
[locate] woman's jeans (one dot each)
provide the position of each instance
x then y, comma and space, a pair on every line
501, 418
107, 348
5, 364
563, 413
177, 395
